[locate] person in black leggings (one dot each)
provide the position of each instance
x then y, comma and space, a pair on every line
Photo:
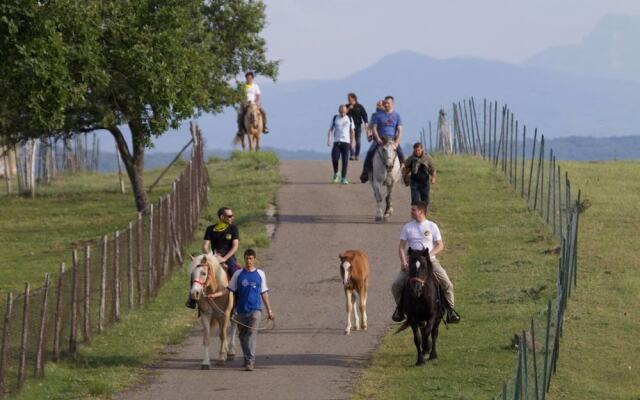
342, 135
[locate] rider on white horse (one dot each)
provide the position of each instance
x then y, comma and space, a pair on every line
254, 95
386, 125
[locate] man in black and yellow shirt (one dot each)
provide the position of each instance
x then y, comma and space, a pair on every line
222, 239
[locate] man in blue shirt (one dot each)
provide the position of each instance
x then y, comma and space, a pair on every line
250, 287
386, 125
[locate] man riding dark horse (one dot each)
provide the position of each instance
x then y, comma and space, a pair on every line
418, 235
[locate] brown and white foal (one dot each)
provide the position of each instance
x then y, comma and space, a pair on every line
354, 270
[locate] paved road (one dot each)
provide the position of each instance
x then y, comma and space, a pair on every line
307, 354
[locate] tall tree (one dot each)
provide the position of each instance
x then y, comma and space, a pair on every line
146, 64
167, 61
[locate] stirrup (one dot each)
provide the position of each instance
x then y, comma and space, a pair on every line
452, 316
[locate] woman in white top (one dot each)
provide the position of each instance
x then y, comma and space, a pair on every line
342, 135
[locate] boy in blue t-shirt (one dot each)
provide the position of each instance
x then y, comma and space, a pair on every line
249, 284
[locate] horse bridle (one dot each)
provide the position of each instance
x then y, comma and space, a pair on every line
202, 283
393, 162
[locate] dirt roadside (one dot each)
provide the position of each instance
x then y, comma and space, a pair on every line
306, 355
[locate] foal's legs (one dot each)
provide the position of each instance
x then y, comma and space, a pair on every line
363, 307
355, 310
347, 294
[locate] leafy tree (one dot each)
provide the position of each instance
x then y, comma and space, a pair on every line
147, 64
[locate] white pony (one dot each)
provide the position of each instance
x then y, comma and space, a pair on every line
215, 303
386, 171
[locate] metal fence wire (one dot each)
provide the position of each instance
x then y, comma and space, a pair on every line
534, 174
105, 278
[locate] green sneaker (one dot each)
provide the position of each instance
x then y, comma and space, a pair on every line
344, 181
336, 178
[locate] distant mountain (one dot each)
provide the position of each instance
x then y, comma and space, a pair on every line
558, 103
611, 50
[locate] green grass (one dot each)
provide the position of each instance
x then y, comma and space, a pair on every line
494, 253
600, 350
37, 234
117, 359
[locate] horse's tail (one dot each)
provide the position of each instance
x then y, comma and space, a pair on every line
237, 140
402, 327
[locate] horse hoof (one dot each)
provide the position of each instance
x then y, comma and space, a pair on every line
420, 363
231, 357
205, 367
364, 328
220, 363
378, 219
347, 331
433, 361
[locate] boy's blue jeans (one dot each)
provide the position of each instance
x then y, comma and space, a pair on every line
247, 335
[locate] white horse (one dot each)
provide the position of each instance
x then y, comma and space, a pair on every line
215, 303
386, 171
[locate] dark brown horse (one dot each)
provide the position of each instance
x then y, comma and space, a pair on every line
422, 305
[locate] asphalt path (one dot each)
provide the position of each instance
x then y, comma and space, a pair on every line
306, 354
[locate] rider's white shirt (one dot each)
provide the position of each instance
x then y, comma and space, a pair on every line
253, 91
342, 128
421, 235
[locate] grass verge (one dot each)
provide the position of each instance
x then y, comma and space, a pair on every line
495, 255
70, 210
117, 359
600, 350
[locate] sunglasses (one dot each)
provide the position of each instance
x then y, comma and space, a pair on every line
229, 216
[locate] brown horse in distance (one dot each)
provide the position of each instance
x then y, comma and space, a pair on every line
354, 271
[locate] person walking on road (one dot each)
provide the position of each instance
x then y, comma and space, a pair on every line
419, 174
342, 135
420, 234
250, 287
359, 116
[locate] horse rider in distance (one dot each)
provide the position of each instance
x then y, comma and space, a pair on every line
385, 125
254, 95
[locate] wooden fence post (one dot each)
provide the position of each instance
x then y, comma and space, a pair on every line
150, 254
4, 345
535, 362
103, 284
23, 339
531, 162
116, 276
524, 144
139, 254
86, 321
73, 332
57, 325
545, 387
130, 265
39, 368
515, 160
535, 197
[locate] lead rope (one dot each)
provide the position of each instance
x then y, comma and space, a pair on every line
259, 328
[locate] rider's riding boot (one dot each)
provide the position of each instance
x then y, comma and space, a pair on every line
364, 177
191, 303
452, 316
398, 314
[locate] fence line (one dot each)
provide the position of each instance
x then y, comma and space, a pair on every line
133, 262
546, 195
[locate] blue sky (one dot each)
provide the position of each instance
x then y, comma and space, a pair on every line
325, 39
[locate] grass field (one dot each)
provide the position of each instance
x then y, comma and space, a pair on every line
494, 253
37, 234
117, 359
600, 351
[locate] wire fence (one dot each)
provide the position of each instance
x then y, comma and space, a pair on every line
533, 173
105, 279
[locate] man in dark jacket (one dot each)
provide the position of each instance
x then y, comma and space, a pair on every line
419, 173
358, 114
